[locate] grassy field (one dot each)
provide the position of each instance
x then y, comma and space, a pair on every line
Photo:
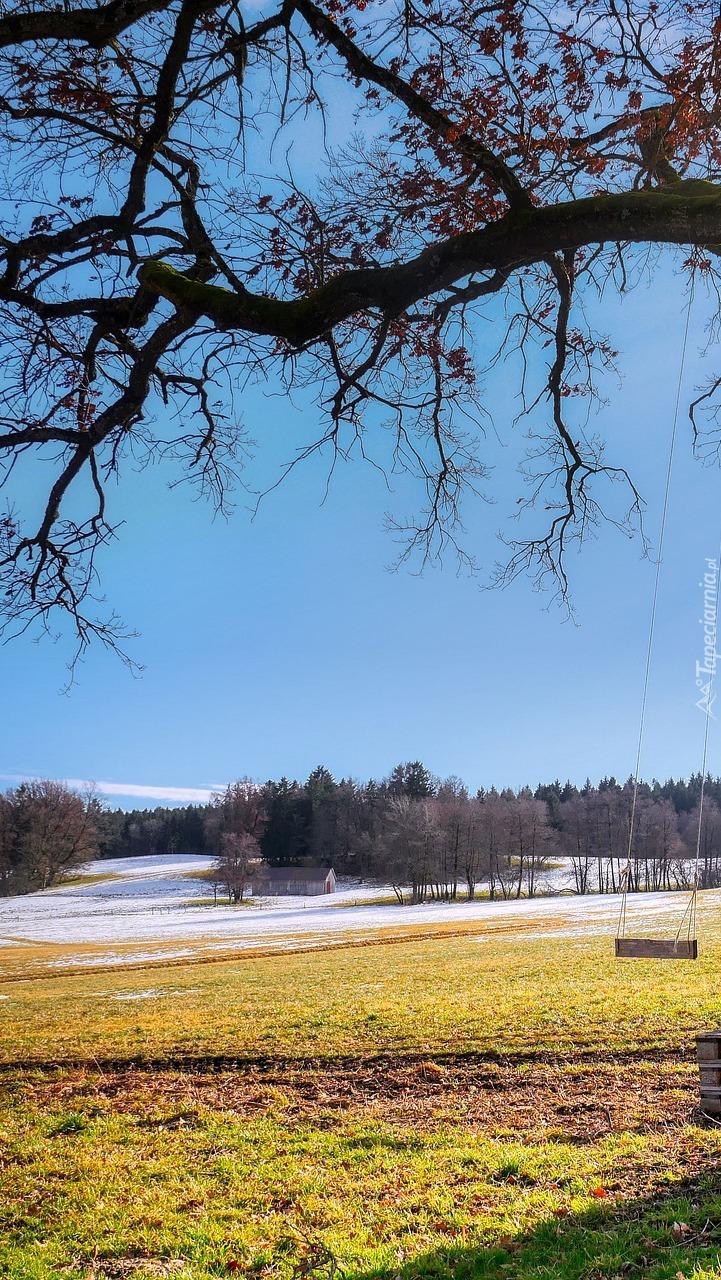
455, 1106
24, 957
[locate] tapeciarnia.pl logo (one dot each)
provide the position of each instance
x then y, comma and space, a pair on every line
706, 670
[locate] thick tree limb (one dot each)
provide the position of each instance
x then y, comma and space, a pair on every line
165, 93
96, 26
124, 146
687, 213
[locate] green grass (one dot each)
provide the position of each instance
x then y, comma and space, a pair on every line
99, 877
449, 995
454, 1107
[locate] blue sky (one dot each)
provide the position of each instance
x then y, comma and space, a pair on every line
275, 644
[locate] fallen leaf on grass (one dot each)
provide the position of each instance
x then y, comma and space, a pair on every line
429, 1070
600, 1193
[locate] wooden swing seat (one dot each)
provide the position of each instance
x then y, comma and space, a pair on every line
657, 948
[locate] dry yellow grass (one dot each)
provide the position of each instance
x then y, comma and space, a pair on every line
445, 1107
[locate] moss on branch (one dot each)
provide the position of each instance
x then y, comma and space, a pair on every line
684, 212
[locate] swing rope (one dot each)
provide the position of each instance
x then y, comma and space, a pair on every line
626, 873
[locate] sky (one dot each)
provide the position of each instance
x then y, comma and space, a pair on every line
275, 643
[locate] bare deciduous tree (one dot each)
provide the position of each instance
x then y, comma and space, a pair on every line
45, 831
239, 810
507, 160
236, 864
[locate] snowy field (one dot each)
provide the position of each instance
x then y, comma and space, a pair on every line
147, 909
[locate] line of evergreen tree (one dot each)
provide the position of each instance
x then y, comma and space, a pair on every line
408, 829
345, 823
128, 833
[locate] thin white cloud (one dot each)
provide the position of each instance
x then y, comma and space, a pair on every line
138, 791
192, 795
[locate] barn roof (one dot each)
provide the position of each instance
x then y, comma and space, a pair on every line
296, 873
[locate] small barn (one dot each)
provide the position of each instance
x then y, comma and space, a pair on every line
281, 882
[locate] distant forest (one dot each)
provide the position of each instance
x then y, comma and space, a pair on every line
413, 829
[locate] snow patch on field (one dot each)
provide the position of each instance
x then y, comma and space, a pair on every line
165, 864
153, 909
152, 993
